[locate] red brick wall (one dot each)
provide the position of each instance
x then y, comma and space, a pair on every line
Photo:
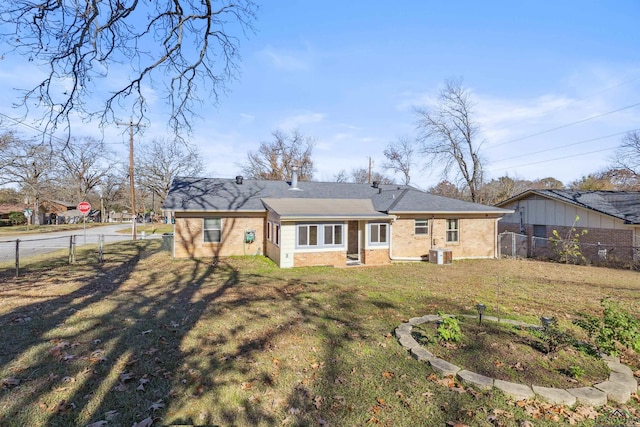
375, 256
307, 259
189, 241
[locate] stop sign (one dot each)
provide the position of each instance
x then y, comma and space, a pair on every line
84, 207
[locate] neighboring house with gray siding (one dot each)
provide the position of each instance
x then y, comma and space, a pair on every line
325, 223
611, 218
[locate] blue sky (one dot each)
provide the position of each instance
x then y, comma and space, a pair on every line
349, 74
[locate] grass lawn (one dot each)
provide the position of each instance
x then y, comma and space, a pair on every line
37, 229
147, 339
155, 228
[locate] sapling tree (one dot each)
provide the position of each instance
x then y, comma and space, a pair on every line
568, 247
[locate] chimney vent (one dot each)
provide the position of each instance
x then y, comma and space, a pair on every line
239, 179
376, 184
294, 178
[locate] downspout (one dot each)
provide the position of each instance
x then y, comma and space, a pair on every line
393, 219
496, 245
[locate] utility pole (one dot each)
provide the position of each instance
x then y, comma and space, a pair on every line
134, 216
370, 167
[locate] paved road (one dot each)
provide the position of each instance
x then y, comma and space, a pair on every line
42, 243
91, 231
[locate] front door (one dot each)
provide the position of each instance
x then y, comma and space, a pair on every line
353, 246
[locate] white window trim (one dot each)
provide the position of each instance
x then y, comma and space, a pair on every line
415, 226
451, 230
370, 233
333, 234
204, 230
320, 244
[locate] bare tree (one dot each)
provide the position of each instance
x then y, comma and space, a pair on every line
503, 188
341, 176
185, 49
84, 164
274, 160
29, 165
361, 176
448, 136
160, 161
400, 157
114, 191
548, 183
628, 153
446, 189
615, 179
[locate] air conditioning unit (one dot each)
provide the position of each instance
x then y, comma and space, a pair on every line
440, 256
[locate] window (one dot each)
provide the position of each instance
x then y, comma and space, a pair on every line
276, 235
268, 230
452, 230
540, 236
319, 235
307, 235
421, 227
333, 234
212, 230
378, 233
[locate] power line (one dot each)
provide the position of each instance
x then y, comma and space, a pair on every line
550, 160
567, 145
32, 128
44, 133
565, 126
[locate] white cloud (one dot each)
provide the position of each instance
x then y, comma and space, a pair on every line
287, 60
295, 121
247, 118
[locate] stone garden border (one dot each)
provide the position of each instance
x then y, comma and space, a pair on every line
617, 389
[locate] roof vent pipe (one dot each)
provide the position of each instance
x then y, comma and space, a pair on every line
239, 179
294, 177
376, 184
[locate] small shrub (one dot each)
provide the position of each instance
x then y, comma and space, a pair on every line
616, 327
576, 371
17, 218
568, 247
556, 339
449, 330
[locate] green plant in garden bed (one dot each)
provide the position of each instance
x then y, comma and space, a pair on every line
449, 329
143, 336
615, 328
516, 354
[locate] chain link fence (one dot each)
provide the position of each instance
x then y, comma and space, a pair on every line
19, 256
514, 245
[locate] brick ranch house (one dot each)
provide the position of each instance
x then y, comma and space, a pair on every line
611, 218
320, 223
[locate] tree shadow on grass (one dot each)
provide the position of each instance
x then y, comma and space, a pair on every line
192, 342
98, 347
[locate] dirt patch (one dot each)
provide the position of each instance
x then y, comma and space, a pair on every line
516, 354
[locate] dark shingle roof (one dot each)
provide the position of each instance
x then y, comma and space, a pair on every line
216, 194
624, 205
